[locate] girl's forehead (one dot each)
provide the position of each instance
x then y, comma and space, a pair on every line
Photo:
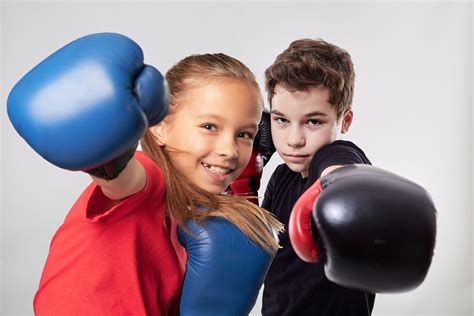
217, 91
225, 99
193, 85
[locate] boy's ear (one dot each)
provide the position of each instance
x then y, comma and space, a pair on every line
346, 121
159, 132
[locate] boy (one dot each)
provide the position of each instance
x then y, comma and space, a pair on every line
310, 87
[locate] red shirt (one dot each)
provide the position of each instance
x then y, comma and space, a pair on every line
119, 260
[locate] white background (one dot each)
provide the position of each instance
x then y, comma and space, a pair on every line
413, 112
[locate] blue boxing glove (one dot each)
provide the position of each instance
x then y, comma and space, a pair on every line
86, 106
224, 272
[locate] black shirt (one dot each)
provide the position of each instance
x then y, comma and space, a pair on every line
292, 286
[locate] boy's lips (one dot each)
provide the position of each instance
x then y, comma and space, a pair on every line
295, 158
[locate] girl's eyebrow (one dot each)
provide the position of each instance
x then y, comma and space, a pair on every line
220, 118
251, 126
210, 115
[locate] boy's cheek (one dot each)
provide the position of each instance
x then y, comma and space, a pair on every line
278, 137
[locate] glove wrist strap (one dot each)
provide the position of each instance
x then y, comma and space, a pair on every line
111, 169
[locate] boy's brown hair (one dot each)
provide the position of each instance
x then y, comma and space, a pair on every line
310, 63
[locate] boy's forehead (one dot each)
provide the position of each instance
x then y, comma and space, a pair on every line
311, 102
313, 95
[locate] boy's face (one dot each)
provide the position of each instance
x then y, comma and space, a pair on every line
302, 122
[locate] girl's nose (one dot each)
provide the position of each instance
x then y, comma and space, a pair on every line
228, 148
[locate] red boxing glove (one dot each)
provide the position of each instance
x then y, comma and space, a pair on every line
299, 225
248, 183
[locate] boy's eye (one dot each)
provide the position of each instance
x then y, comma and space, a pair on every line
313, 122
280, 120
210, 127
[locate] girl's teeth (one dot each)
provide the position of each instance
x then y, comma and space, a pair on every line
217, 170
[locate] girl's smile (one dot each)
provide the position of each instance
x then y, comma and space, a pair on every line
216, 173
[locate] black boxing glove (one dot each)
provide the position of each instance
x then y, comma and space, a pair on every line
377, 229
263, 142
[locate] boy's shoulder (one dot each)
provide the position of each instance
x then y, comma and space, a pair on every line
341, 146
345, 143
339, 152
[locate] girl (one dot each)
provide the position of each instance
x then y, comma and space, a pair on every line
117, 252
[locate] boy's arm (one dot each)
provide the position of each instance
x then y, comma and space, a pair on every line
333, 156
267, 202
330, 169
357, 219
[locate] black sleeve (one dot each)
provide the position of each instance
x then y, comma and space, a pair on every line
267, 198
339, 152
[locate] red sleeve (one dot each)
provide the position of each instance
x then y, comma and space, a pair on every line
95, 206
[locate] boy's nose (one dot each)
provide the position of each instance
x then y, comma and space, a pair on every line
296, 137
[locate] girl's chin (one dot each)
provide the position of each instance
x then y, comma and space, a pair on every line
212, 188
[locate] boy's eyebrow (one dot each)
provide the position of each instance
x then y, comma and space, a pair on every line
315, 113
310, 114
276, 112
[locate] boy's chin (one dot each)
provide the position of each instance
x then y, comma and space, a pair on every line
298, 168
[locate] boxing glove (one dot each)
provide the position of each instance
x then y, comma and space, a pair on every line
248, 182
263, 142
89, 103
224, 271
372, 230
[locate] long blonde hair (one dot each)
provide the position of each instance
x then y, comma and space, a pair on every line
182, 196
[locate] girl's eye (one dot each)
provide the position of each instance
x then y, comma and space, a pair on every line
210, 127
246, 135
313, 122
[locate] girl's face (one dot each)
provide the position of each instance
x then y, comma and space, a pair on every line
210, 135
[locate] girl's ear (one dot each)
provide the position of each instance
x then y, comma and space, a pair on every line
346, 121
159, 131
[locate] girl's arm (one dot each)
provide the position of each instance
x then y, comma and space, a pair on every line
130, 181
85, 103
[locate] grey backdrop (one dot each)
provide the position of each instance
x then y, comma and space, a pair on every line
413, 112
